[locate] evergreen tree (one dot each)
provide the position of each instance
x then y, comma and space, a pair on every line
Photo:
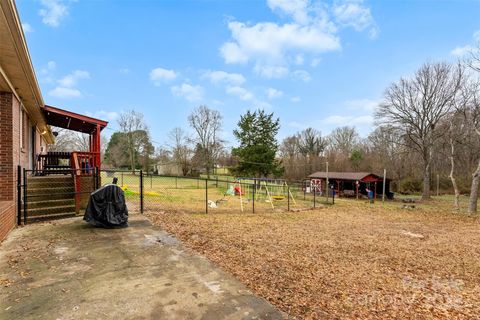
256, 133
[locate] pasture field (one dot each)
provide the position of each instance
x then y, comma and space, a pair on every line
353, 260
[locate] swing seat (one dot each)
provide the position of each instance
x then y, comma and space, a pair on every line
278, 197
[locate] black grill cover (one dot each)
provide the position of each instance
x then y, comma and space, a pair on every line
106, 208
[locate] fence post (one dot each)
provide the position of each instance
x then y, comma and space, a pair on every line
97, 178
176, 182
206, 195
198, 182
288, 197
19, 195
151, 181
122, 179
254, 189
141, 191
24, 196
314, 198
217, 182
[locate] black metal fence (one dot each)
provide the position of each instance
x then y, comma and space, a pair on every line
62, 194
150, 192
52, 196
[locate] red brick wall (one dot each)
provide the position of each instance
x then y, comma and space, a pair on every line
12, 155
7, 219
7, 187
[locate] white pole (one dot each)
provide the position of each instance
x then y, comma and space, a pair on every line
384, 182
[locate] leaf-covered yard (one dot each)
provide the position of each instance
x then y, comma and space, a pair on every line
352, 260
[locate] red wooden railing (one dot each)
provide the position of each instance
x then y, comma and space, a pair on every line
83, 164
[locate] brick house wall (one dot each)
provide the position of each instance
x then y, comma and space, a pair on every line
12, 154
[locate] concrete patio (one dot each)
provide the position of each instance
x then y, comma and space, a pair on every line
69, 270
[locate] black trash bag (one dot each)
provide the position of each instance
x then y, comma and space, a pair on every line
107, 208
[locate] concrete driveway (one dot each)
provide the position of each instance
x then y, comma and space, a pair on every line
69, 270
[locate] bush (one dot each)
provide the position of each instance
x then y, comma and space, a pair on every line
411, 185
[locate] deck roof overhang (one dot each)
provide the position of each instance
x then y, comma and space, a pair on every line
73, 121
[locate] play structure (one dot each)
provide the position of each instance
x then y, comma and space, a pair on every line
261, 189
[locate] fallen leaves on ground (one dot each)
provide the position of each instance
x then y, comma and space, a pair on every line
350, 261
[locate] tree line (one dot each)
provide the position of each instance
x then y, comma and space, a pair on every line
427, 131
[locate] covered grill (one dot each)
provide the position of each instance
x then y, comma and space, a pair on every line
107, 208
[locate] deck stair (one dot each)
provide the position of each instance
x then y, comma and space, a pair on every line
50, 197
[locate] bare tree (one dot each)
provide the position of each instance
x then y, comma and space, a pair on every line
455, 128
68, 140
181, 150
344, 139
311, 146
133, 126
415, 106
207, 124
473, 112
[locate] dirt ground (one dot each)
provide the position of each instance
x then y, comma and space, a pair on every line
353, 260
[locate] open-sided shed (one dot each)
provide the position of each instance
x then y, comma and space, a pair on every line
352, 184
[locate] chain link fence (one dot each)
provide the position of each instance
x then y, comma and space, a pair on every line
150, 192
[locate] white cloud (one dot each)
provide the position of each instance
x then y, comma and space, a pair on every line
273, 93
476, 36
362, 104
302, 75
295, 8
27, 28
124, 71
160, 75
241, 93
271, 72
462, 51
189, 92
62, 92
104, 115
315, 62
53, 12
354, 14
51, 65
71, 79
268, 41
295, 99
232, 53
311, 30
338, 120
222, 77
66, 87
299, 60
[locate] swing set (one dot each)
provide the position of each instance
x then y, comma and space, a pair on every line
258, 189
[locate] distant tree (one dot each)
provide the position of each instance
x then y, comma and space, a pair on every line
181, 150
311, 146
415, 107
356, 158
207, 124
256, 134
116, 155
132, 124
68, 141
344, 139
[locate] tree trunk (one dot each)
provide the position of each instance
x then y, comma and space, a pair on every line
426, 180
472, 205
456, 204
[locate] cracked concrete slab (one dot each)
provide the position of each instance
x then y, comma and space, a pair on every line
70, 270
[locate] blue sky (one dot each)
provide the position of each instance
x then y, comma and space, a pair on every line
313, 63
